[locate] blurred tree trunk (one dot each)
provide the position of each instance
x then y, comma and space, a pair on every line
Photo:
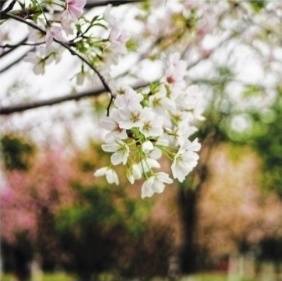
188, 199
188, 253
47, 241
22, 259
188, 203
1, 261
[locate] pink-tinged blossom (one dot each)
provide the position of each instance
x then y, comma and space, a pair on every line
160, 21
6, 31
175, 71
74, 9
4, 36
191, 4
110, 123
118, 37
55, 32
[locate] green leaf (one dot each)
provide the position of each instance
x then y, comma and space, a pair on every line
252, 90
257, 5
16, 152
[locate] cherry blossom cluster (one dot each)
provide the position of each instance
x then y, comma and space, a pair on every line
57, 21
60, 25
148, 125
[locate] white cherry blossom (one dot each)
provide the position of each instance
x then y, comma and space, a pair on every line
130, 118
160, 101
155, 184
128, 98
109, 173
38, 60
134, 173
120, 151
118, 37
148, 163
151, 123
147, 146
185, 160
159, 121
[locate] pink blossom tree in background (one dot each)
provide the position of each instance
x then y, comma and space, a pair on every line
27, 195
29, 201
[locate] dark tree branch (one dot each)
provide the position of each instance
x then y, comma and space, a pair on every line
16, 61
2, 2
48, 102
57, 100
24, 43
94, 3
12, 47
9, 8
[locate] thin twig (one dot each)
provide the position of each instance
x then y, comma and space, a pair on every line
12, 47
109, 105
66, 46
14, 62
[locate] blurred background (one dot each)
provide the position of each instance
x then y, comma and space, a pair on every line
60, 223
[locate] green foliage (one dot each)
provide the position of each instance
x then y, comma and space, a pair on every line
258, 5
263, 134
99, 211
146, 5
59, 276
101, 223
132, 45
191, 20
252, 90
214, 277
17, 152
110, 277
269, 145
96, 207
209, 277
263, 125
224, 72
154, 87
